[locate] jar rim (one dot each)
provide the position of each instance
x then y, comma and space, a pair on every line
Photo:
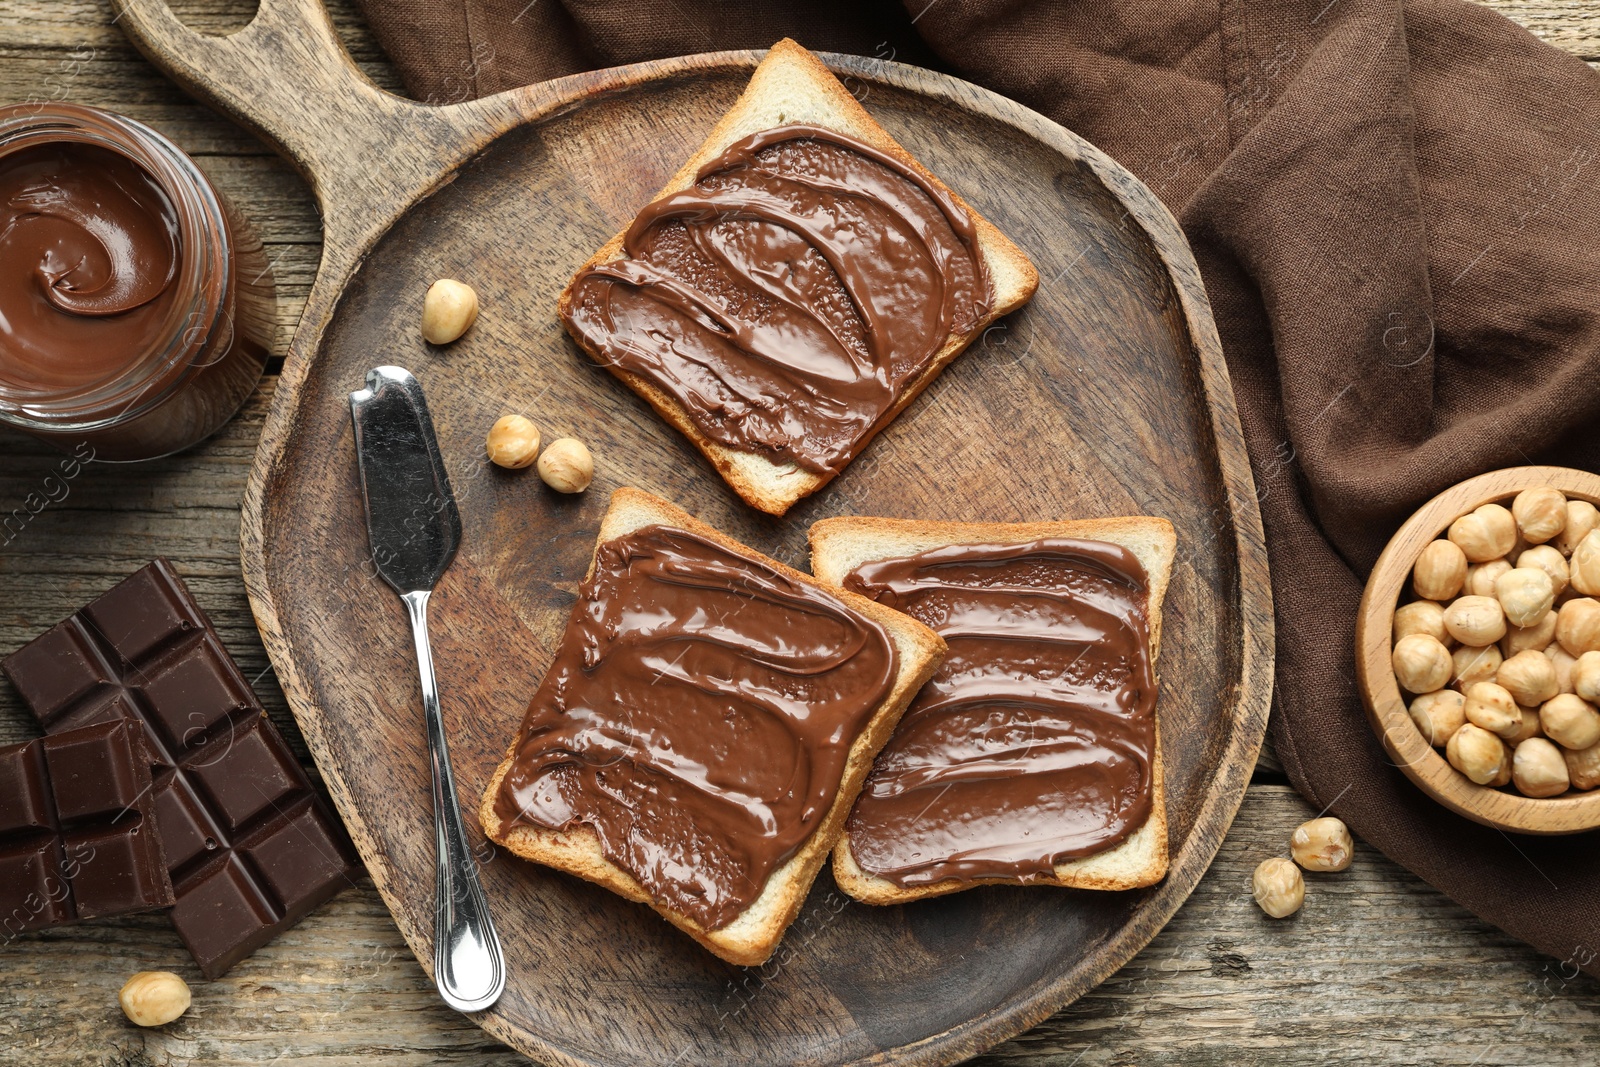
205, 268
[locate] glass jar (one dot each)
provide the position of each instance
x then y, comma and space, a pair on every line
136, 305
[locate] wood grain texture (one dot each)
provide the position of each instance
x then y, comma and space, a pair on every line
1570, 813
1390, 971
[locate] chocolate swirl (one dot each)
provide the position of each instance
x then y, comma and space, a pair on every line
1032, 743
788, 297
697, 718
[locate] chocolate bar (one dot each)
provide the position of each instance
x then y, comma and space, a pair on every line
77, 829
251, 847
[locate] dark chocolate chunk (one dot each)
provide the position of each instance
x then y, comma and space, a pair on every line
251, 847
77, 829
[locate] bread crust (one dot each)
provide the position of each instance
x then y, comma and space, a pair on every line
840, 545
762, 483
751, 938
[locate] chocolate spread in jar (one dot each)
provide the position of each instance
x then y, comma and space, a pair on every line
1032, 743
697, 718
88, 255
787, 299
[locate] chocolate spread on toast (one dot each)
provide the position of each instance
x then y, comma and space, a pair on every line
697, 717
788, 298
1032, 743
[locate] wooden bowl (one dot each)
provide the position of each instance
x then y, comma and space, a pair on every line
1569, 813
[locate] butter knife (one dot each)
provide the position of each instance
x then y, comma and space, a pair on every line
414, 529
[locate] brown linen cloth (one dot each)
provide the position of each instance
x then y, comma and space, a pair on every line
1396, 208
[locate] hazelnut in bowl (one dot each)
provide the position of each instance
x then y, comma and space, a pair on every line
1478, 649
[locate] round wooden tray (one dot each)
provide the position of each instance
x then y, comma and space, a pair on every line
1569, 813
1107, 395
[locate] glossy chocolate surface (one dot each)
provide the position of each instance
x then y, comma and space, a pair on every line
697, 717
77, 834
250, 846
1032, 743
787, 299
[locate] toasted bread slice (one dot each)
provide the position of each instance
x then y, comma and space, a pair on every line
792, 86
751, 938
839, 546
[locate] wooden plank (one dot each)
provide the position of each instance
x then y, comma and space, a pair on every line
1377, 967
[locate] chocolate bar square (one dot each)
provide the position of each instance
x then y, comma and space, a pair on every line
250, 846
77, 829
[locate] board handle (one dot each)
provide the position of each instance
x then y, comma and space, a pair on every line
287, 78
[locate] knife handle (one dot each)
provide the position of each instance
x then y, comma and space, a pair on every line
468, 965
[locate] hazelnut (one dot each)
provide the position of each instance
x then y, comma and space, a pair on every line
1489, 705
1577, 626
1565, 666
1322, 845
154, 998
1469, 665
1476, 753
1547, 559
1278, 887
513, 442
1420, 617
1475, 620
1421, 664
566, 466
1583, 766
1582, 519
1585, 565
1481, 577
1440, 569
1526, 595
1529, 677
1488, 532
1570, 721
1530, 727
1438, 715
1538, 769
1586, 677
1541, 513
448, 311
1522, 638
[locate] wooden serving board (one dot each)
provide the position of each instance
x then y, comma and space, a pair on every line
1106, 396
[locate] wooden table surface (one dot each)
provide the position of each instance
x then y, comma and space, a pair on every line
1377, 967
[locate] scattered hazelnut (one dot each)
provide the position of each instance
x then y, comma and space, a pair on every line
1440, 569
1565, 666
566, 466
1538, 769
1475, 620
1541, 513
1526, 595
1549, 560
1570, 721
513, 442
1438, 715
1586, 677
1529, 677
1522, 638
1481, 577
1476, 753
1278, 887
1420, 617
1489, 705
1583, 766
1489, 532
1585, 564
154, 998
448, 311
1421, 664
1322, 845
1582, 519
1469, 665
1577, 626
